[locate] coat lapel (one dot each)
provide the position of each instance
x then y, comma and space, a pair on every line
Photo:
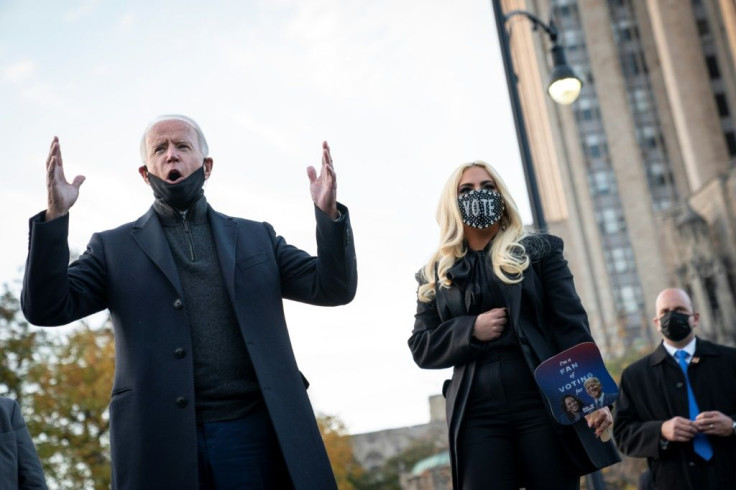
450, 302
512, 299
225, 234
149, 235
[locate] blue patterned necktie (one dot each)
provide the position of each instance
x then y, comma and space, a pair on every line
701, 444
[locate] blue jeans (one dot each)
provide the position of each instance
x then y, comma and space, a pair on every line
241, 454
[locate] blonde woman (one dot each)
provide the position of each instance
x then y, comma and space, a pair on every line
494, 302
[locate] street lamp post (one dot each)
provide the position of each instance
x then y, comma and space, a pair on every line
564, 88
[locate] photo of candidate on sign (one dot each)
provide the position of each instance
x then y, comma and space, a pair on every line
576, 383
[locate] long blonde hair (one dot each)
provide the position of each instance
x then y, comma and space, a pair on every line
507, 254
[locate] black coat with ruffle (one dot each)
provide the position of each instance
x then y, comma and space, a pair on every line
547, 316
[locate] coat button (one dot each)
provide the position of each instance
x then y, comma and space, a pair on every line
178, 304
679, 385
179, 353
181, 402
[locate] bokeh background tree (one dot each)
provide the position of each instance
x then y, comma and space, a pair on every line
63, 384
348, 472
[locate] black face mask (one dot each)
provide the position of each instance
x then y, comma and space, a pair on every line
481, 208
675, 326
181, 195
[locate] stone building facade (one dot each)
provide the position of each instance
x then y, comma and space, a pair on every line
639, 174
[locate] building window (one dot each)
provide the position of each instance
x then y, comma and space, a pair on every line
595, 147
621, 259
639, 100
601, 182
611, 221
722, 105
703, 27
585, 110
657, 175
584, 73
713, 70
647, 137
628, 299
629, 65
731, 143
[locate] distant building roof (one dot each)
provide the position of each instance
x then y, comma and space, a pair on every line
434, 461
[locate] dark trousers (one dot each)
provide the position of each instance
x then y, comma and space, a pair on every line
506, 438
241, 454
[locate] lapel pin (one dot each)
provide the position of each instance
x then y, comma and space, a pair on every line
695, 360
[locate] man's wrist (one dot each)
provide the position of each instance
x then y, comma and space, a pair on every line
52, 214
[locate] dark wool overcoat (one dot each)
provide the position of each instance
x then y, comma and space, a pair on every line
653, 391
130, 271
545, 312
20, 468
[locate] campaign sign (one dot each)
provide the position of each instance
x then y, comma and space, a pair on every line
576, 383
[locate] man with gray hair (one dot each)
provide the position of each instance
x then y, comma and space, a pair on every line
207, 393
594, 389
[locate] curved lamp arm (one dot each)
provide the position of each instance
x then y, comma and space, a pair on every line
550, 28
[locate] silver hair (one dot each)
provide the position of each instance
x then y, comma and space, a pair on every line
175, 117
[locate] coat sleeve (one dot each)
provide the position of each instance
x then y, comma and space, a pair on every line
30, 472
635, 436
437, 344
330, 278
567, 318
55, 292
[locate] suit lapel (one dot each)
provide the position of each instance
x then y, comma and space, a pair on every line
149, 235
670, 381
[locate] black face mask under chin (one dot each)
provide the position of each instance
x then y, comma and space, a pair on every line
675, 326
181, 195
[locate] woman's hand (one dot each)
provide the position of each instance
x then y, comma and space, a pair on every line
600, 420
490, 324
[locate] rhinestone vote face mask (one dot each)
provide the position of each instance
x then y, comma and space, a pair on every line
481, 208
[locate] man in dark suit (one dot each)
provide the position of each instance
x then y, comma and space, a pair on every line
677, 405
207, 393
20, 468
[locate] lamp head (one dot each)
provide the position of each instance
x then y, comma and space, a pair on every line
564, 86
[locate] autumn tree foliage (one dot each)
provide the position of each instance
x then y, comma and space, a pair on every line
63, 383
348, 472
70, 408
20, 347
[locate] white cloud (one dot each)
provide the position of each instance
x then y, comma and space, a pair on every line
19, 71
42, 94
126, 20
82, 10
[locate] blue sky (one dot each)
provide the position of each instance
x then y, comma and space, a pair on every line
403, 90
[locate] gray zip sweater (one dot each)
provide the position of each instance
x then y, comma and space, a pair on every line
225, 382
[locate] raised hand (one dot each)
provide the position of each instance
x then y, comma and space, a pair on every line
324, 186
61, 194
